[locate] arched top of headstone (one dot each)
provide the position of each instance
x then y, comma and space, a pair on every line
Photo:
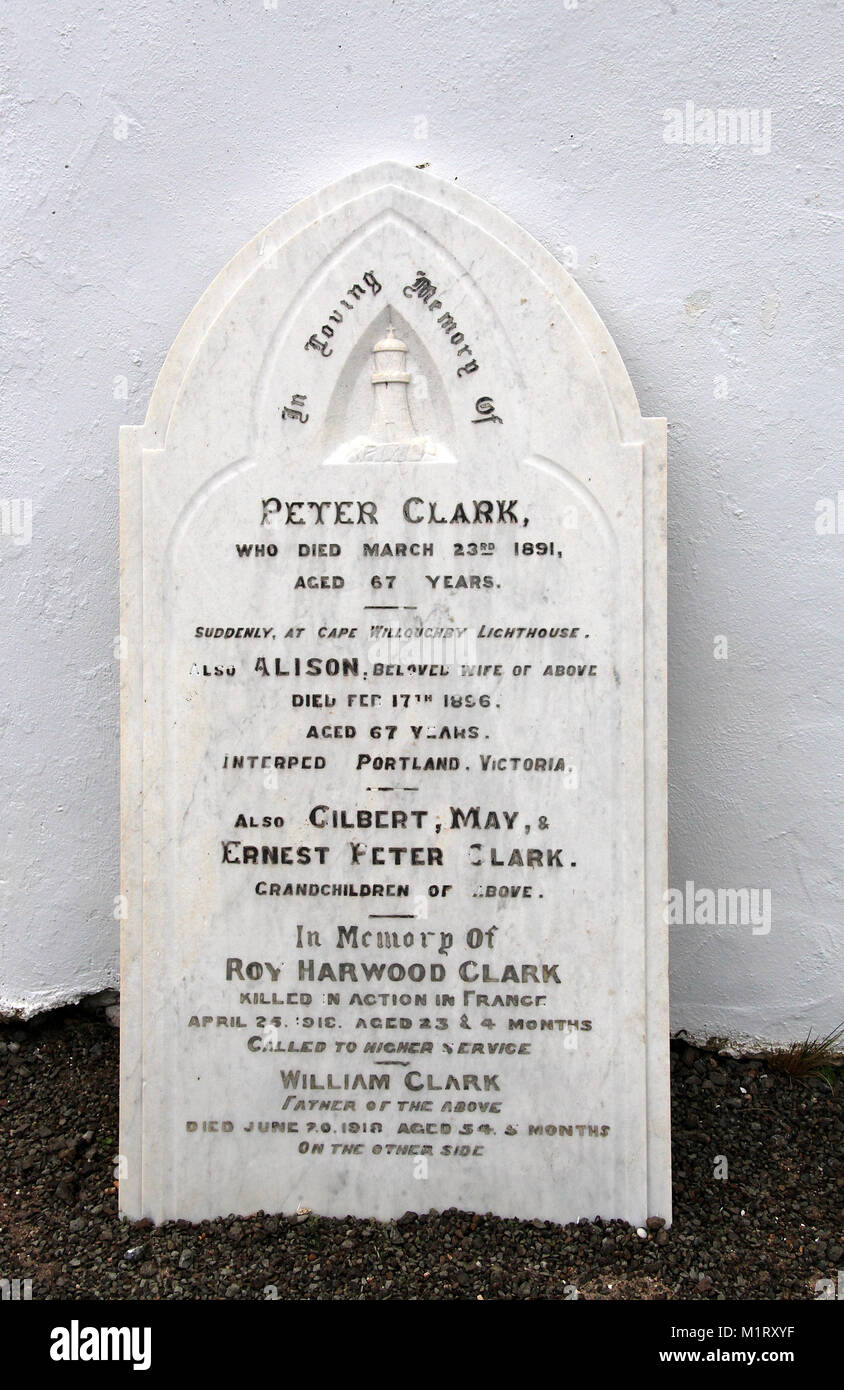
467, 252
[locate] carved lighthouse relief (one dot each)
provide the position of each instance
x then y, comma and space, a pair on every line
391, 411
392, 436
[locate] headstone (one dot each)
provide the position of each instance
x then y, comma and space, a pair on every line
394, 777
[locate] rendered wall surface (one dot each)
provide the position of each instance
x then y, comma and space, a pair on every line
145, 144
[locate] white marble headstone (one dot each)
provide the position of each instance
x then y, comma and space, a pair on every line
394, 830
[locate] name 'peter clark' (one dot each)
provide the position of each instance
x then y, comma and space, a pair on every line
482, 511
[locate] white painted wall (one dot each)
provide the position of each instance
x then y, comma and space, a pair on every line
712, 266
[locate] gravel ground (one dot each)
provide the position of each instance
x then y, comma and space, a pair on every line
767, 1230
